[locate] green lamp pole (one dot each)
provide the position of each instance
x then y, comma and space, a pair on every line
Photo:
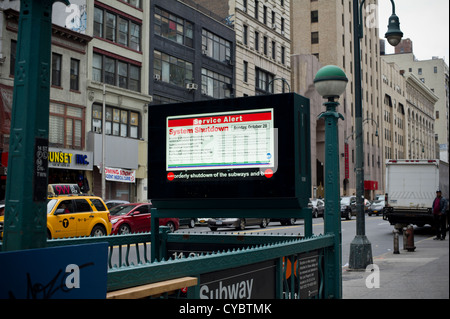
330, 83
25, 224
360, 247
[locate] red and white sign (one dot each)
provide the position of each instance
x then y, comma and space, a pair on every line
120, 175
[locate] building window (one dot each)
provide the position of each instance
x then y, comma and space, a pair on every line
172, 70
74, 74
314, 37
265, 40
274, 50
256, 40
173, 28
263, 81
265, 15
216, 85
66, 126
119, 122
110, 26
283, 55
117, 29
314, 16
245, 35
116, 72
216, 47
98, 22
245, 71
134, 3
158, 99
56, 69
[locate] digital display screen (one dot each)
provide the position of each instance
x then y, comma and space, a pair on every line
251, 151
215, 142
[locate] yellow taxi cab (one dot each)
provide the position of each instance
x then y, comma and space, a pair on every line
77, 215
74, 214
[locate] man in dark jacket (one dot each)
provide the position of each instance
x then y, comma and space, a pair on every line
440, 216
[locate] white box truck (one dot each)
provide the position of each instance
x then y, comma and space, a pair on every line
411, 187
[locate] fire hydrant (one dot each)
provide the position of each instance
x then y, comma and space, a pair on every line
410, 238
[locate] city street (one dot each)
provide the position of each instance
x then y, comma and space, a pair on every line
378, 231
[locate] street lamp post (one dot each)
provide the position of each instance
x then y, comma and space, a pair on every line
330, 83
282, 79
360, 248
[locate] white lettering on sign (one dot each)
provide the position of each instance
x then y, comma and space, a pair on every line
373, 279
73, 277
238, 290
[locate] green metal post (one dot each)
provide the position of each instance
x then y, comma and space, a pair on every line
360, 247
26, 185
333, 256
155, 249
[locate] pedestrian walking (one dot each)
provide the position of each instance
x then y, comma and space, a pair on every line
440, 216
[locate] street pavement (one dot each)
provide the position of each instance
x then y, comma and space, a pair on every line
422, 274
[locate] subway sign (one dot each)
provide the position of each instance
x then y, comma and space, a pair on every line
70, 159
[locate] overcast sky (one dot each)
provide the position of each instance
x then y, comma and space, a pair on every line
425, 22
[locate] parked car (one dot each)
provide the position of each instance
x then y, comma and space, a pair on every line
136, 217
203, 221
190, 222
376, 207
348, 206
114, 202
238, 223
285, 221
318, 207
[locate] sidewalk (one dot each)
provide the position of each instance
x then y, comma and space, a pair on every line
422, 274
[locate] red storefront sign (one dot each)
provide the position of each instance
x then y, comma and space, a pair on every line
371, 185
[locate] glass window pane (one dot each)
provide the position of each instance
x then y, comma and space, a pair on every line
97, 67
110, 27
116, 129
74, 111
123, 74
133, 131
109, 71
123, 32
123, 130
69, 132
56, 130
98, 22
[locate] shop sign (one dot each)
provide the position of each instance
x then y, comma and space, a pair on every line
70, 159
120, 175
